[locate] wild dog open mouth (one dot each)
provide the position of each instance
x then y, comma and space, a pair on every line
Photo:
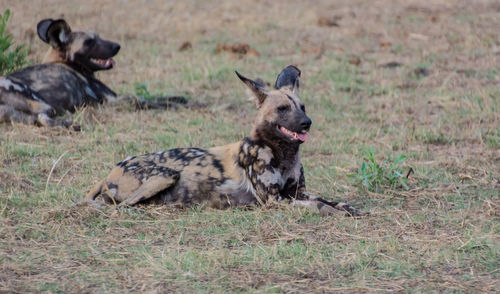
293, 135
103, 62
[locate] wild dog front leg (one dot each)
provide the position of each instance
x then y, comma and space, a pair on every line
325, 207
45, 115
296, 191
266, 192
45, 120
265, 181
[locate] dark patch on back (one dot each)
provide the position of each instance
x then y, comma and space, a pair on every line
126, 161
186, 154
145, 169
217, 164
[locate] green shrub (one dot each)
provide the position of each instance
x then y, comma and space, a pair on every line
375, 176
10, 59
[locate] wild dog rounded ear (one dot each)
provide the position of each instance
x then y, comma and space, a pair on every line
42, 28
289, 77
54, 32
257, 89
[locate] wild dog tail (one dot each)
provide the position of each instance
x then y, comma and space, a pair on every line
95, 191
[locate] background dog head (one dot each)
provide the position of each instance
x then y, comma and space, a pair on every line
282, 116
84, 50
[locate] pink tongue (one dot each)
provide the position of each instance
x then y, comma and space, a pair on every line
302, 137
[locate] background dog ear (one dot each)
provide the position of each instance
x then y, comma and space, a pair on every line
257, 89
42, 29
54, 32
289, 77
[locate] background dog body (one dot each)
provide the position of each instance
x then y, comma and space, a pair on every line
36, 94
265, 166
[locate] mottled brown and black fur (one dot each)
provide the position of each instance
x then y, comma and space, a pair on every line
262, 167
63, 82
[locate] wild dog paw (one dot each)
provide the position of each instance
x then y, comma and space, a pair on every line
76, 127
68, 124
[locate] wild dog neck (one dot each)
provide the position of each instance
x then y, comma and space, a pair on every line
285, 154
56, 56
53, 56
81, 68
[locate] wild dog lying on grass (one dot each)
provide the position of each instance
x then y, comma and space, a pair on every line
264, 166
36, 94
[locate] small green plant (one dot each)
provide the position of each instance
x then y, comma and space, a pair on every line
141, 91
375, 177
10, 59
144, 99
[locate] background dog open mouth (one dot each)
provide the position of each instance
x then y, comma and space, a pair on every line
104, 63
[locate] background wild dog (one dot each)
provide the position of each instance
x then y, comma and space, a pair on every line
36, 94
264, 166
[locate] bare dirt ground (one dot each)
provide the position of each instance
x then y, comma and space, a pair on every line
419, 78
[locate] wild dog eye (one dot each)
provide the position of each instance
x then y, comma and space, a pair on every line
283, 108
303, 108
89, 42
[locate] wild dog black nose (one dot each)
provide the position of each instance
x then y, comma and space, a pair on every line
116, 48
306, 123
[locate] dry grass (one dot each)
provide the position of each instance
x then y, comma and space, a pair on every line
440, 107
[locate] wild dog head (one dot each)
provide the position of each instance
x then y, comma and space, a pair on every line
282, 116
83, 50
